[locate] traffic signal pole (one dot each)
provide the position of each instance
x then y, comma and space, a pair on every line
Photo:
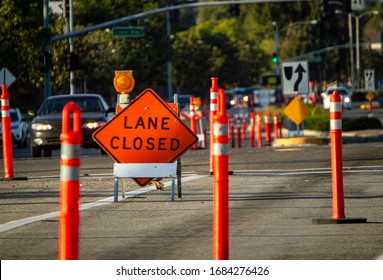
72, 75
276, 51
109, 24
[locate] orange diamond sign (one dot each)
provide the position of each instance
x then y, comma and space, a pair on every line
146, 131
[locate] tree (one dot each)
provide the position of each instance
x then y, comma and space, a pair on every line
22, 40
101, 54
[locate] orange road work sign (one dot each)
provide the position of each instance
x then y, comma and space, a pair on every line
145, 131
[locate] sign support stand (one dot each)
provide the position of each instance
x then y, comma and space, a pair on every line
140, 170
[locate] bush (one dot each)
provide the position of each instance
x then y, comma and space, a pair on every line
319, 120
361, 123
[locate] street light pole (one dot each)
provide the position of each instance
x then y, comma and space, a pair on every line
276, 39
351, 50
71, 47
357, 42
47, 73
276, 36
169, 64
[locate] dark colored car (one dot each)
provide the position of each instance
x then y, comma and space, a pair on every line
46, 126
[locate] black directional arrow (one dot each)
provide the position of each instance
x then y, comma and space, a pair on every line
300, 70
369, 76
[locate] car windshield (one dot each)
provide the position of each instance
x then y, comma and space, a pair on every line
86, 104
340, 92
14, 116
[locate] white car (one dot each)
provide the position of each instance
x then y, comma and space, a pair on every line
344, 94
19, 128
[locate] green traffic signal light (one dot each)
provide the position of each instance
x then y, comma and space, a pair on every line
275, 58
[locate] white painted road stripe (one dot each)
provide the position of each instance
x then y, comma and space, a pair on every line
22, 222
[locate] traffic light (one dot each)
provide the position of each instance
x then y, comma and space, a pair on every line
347, 6
275, 58
324, 5
69, 59
234, 10
72, 61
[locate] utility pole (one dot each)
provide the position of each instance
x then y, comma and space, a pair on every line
169, 65
276, 50
68, 15
71, 47
351, 50
47, 72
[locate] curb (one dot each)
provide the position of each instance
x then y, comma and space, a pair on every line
320, 138
298, 141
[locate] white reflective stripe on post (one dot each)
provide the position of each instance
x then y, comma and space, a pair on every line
213, 101
335, 124
335, 107
220, 129
221, 149
4, 102
69, 173
5, 113
191, 110
213, 95
69, 151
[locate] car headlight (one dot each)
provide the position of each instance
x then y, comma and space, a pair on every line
92, 125
347, 99
41, 126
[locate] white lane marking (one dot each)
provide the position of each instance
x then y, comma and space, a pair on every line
305, 171
22, 222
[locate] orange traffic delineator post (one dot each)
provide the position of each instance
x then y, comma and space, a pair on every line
336, 156
370, 106
267, 128
258, 128
252, 129
239, 131
213, 110
244, 128
71, 140
7, 134
338, 213
276, 126
221, 182
193, 120
232, 132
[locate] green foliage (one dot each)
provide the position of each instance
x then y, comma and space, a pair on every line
235, 45
361, 123
22, 40
319, 120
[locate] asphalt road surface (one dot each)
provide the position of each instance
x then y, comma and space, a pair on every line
275, 194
